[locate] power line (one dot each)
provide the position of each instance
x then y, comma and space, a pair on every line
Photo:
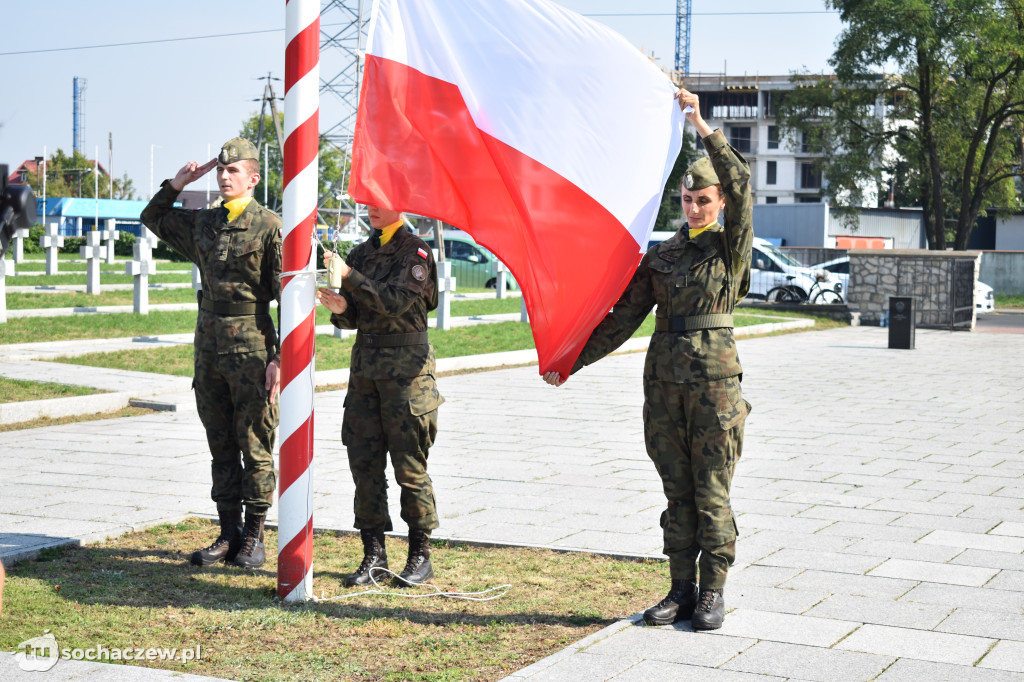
157, 41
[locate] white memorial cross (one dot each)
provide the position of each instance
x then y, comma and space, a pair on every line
52, 242
141, 267
110, 236
445, 290
20, 235
501, 279
3, 287
92, 252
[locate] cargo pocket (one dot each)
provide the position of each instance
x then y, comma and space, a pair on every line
345, 435
424, 396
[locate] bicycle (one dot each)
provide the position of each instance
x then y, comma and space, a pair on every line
818, 294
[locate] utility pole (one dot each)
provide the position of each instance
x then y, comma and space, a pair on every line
110, 163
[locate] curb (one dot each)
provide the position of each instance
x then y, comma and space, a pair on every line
11, 413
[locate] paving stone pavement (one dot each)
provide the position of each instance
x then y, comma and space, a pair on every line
879, 500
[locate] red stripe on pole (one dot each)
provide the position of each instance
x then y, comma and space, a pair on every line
546, 229
299, 344
301, 146
298, 448
295, 250
291, 563
301, 54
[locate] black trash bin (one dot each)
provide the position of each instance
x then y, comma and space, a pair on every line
902, 325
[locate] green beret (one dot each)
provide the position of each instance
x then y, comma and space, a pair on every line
700, 174
236, 149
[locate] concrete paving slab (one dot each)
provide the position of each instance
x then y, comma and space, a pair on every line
892, 410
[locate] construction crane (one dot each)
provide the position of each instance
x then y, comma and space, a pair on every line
682, 65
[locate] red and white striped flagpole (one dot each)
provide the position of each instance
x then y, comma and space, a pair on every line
298, 299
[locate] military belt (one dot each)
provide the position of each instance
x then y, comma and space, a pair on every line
691, 323
391, 340
234, 309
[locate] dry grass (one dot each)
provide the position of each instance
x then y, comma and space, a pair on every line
138, 590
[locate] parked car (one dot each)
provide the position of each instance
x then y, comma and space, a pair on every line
473, 266
984, 300
772, 268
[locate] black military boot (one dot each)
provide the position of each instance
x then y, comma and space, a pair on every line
251, 554
417, 569
709, 613
374, 556
225, 547
677, 605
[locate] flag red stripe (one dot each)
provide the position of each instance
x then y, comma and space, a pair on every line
560, 243
301, 54
293, 561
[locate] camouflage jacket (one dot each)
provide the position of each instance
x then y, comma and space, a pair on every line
683, 277
390, 290
239, 263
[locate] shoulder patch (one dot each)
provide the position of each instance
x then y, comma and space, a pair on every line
421, 253
419, 273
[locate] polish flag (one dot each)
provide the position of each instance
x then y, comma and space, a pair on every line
546, 136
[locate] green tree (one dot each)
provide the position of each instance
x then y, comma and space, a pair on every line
333, 165
943, 132
671, 201
73, 176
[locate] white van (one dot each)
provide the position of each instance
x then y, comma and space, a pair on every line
771, 267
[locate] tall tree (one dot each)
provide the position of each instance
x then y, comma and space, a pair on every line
333, 166
73, 176
943, 131
671, 210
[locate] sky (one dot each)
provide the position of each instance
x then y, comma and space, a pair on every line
166, 103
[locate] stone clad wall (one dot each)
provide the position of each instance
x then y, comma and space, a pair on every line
875, 275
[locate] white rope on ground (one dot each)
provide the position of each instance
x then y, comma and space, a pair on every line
467, 596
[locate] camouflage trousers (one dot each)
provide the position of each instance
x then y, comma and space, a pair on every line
694, 435
232, 400
397, 416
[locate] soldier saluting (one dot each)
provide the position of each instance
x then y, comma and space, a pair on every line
389, 286
693, 407
237, 247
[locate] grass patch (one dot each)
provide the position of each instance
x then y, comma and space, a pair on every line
1009, 301
16, 390
22, 301
34, 329
79, 278
56, 421
138, 590
336, 353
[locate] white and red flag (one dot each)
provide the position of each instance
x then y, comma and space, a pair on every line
546, 136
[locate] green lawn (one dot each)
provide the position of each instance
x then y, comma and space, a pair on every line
137, 590
79, 278
1009, 301
16, 391
335, 353
23, 301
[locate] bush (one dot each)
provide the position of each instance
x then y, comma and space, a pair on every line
125, 242
32, 243
165, 252
72, 244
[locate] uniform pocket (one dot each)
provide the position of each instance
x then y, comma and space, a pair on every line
424, 396
734, 415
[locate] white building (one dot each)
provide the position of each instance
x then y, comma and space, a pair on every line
744, 108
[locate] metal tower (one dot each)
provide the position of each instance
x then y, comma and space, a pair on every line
343, 25
78, 113
682, 66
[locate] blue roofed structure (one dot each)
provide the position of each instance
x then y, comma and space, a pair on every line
78, 215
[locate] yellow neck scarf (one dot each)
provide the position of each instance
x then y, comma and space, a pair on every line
236, 206
695, 232
388, 231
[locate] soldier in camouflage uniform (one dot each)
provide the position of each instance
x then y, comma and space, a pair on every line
389, 285
693, 407
237, 247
